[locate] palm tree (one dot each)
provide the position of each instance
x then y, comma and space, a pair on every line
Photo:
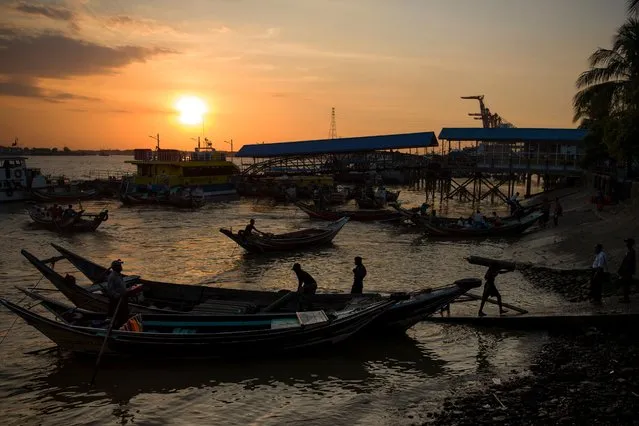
633, 6
609, 90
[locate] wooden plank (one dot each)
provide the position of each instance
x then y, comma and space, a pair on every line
494, 302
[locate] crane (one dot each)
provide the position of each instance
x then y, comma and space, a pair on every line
488, 119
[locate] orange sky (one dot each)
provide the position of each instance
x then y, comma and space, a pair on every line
106, 74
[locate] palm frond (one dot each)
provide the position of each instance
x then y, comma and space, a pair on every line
603, 57
595, 76
597, 101
633, 6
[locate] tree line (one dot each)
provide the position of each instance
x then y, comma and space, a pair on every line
607, 101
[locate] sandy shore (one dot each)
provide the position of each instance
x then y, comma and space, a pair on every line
570, 245
589, 378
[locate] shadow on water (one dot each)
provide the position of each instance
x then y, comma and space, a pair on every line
359, 368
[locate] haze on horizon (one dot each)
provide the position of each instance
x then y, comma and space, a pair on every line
91, 74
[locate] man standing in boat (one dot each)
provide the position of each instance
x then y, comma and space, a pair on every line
491, 290
116, 291
359, 272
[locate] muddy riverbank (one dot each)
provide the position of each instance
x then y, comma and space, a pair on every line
591, 377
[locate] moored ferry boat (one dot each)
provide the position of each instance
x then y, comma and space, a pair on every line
16, 180
205, 170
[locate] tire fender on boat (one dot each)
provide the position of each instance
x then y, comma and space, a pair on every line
17, 174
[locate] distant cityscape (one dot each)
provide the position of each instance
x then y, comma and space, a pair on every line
13, 150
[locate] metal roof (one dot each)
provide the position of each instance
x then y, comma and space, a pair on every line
340, 145
515, 134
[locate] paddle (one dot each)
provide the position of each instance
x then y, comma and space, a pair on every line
128, 293
106, 338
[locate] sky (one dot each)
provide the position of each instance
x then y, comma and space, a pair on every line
107, 74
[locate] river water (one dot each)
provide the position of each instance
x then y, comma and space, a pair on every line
393, 381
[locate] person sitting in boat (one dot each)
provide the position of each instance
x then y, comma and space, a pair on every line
69, 212
496, 220
423, 209
55, 211
433, 217
116, 292
478, 220
461, 222
307, 284
249, 229
359, 272
380, 195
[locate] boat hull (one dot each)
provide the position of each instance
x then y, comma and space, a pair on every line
63, 196
286, 242
381, 215
79, 223
228, 344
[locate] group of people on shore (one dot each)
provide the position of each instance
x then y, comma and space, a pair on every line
626, 271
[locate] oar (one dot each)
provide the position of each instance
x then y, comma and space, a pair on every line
106, 338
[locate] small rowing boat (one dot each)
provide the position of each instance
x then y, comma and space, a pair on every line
297, 240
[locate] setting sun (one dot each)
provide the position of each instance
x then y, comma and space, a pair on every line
191, 109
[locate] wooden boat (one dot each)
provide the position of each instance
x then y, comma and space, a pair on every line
507, 227
175, 200
442, 224
63, 196
80, 222
224, 336
311, 237
382, 215
211, 300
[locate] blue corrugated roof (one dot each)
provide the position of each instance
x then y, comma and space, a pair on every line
341, 145
512, 134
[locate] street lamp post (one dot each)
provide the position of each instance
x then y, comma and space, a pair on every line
157, 139
198, 142
230, 143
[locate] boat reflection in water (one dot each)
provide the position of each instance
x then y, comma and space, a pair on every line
236, 391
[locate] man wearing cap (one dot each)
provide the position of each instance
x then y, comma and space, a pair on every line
359, 272
116, 291
627, 269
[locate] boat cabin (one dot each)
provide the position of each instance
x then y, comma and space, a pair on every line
205, 168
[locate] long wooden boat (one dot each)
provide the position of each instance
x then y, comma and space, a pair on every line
507, 227
203, 299
382, 215
224, 336
80, 222
175, 200
63, 196
305, 238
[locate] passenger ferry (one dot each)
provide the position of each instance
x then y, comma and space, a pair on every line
205, 170
16, 180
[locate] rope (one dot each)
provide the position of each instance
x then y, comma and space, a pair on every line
16, 318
